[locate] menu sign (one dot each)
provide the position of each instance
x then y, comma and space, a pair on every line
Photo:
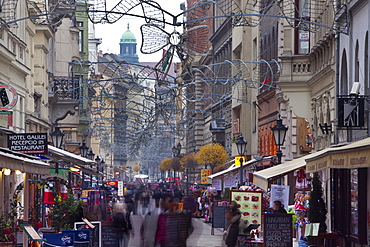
278, 230
250, 205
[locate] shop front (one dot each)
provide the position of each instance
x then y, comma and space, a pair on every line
347, 168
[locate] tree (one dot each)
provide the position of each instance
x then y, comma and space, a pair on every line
136, 168
189, 161
166, 164
213, 155
317, 210
175, 165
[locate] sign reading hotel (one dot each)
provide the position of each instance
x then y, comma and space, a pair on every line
28, 143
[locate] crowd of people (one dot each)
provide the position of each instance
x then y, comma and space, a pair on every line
168, 224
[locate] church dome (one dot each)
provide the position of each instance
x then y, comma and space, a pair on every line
128, 37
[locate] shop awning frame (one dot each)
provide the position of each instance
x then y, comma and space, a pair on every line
72, 160
23, 162
233, 168
262, 178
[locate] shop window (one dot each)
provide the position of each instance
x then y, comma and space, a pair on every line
347, 186
354, 202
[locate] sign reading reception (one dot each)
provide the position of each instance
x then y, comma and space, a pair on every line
28, 143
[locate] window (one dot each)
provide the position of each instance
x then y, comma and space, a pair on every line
80, 40
302, 34
354, 202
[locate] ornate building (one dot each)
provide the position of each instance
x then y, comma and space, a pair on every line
128, 47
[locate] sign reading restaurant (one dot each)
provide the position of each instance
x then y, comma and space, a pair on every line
28, 143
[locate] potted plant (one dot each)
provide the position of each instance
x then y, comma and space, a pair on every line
7, 234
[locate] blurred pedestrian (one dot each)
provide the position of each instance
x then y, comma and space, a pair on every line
123, 224
232, 227
278, 208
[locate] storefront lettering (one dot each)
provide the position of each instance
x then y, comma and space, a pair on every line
311, 168
322, 165
338, 163
357, 161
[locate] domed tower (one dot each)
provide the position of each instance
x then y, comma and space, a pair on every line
128, 47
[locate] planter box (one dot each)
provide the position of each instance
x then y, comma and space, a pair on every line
6, 244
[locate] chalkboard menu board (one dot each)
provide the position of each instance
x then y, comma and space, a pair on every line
219, 216
277, 230
95, 233
108, 234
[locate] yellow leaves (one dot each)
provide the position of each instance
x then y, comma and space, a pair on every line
136, 168
212, 154
189, 161
166, 164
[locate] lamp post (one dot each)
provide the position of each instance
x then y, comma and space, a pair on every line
279, 131
176, 150
57, 138
241, 145
97, 160
91, 156
129, 171
83, 151
102, 164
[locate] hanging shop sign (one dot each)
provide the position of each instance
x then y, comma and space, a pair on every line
8, 97
351, 112
204, 175
29, 143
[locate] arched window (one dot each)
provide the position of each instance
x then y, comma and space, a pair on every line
366, 64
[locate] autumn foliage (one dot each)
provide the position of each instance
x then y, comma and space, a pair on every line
136, 168
190, 161
212, 155
166, 164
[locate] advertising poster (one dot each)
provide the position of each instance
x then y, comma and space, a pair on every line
279, 193
229, 182
217, 184
250, 204
204, 175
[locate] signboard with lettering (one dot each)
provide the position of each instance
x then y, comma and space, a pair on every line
108, 234
29, 143
278, 230
229, 182
96, 233
279, 193
250, 205
217, 184
219, 217
204, 175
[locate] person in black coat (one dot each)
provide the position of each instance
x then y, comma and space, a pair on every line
278, 208
232, 227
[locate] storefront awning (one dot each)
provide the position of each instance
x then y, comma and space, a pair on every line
24, 163
233, 168
72, 160
263, 177
353, 155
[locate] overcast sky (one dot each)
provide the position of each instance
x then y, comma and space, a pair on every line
111, 33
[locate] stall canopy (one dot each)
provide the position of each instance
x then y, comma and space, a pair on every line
22, 162
233, 168
72, 160
263, 177
353, 155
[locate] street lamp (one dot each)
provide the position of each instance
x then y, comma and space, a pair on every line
57, 138
241, 145
129, 170
279, 131
83, 149
176, 150
91, 155
97, 160
102, 164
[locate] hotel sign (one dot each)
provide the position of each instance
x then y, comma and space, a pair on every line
28, 143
